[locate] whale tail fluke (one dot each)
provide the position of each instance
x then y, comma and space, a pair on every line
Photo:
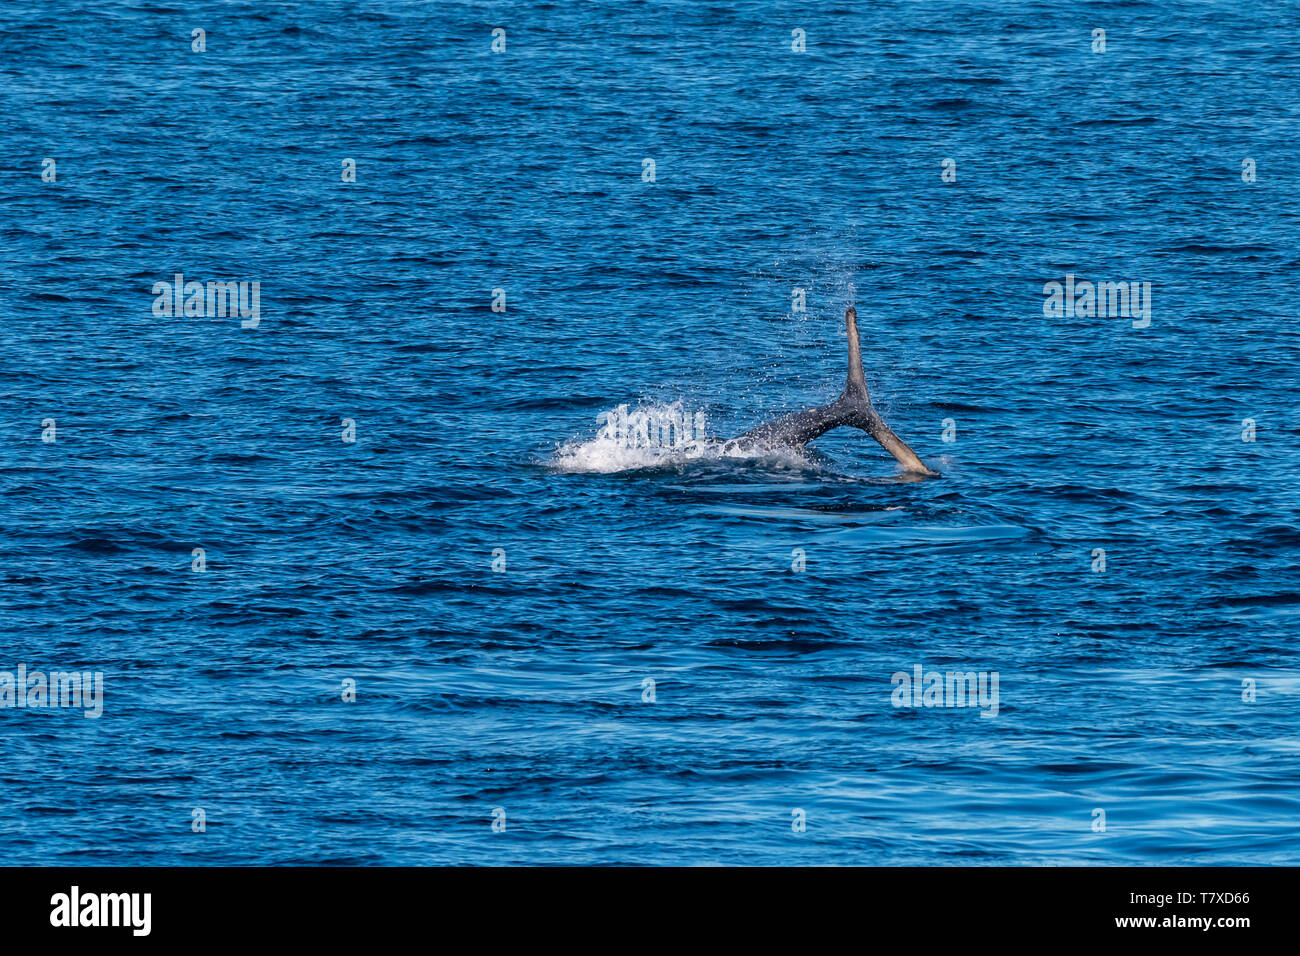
857, 380
853, 408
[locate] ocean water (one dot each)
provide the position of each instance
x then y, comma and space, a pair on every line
649, 656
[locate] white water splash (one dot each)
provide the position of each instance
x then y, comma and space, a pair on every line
656, 436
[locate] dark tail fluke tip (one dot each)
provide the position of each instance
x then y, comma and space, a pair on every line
857, 381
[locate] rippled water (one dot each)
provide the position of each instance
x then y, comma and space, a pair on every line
326, 561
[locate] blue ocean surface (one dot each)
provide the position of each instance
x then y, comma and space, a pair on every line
368, 582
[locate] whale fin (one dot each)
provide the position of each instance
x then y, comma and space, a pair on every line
853, 408
856, 384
